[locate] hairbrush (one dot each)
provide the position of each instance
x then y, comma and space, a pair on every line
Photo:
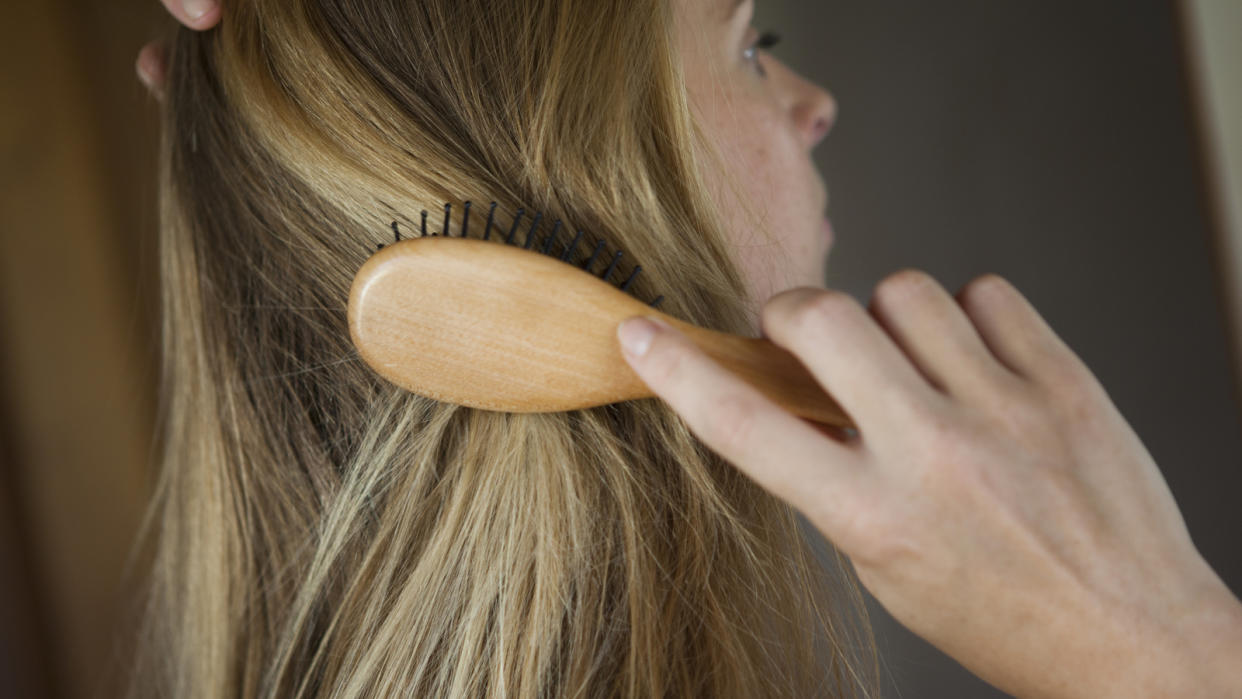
526, 326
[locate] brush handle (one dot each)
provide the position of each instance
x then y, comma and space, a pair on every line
771, 369
501, 328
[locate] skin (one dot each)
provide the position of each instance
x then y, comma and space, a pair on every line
764, 120
994, 500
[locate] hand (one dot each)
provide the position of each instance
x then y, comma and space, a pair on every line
152, 63
994, 500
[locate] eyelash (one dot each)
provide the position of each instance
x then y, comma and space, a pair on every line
765, 41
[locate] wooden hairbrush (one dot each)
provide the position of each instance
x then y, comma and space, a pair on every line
515, 328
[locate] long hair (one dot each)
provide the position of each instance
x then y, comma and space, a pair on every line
319, 532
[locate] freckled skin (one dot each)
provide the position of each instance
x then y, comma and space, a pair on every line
764, 126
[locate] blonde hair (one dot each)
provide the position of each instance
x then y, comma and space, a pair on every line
319, 532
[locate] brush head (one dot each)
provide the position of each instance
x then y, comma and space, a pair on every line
527, 327
497, 327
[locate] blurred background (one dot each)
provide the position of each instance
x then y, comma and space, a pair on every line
1088, 152
78, 344
1091, 153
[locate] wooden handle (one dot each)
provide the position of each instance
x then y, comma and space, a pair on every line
771, 369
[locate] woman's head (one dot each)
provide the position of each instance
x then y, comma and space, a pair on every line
763, 120
322, 532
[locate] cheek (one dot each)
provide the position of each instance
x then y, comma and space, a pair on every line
764, 187
747, 185
744, 192
750, 153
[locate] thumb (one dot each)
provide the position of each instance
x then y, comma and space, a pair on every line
778, 450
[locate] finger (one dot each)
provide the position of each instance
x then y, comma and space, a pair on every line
840, 434
152, 67
1014, 331
774, 448
195, 14
847, 352
937, 336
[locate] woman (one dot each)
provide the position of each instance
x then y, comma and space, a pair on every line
987, 451
322, 533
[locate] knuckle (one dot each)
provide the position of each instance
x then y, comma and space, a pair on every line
795, 309
732, 423
998, 389
987, 286
1063, 368
903, 283
812, 310
1073, 390
1020, 413
1026, 418
1057, 367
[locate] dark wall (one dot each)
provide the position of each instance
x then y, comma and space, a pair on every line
1051, 143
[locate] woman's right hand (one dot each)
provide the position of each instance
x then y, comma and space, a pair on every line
996, 503
152, 64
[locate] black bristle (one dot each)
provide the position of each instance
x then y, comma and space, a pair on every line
613, 265
556, 228
517, 220
491, 218
547, 244
569, 249
633, 275
542, 244
530, 235
598, 246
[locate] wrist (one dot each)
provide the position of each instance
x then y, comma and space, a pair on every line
1201, 651
1216, 634
1190, 651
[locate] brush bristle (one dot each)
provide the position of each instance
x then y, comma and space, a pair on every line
550, 245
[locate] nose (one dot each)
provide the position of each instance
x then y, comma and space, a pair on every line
814, 112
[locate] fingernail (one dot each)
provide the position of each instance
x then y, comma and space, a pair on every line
635, 335
197, 8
